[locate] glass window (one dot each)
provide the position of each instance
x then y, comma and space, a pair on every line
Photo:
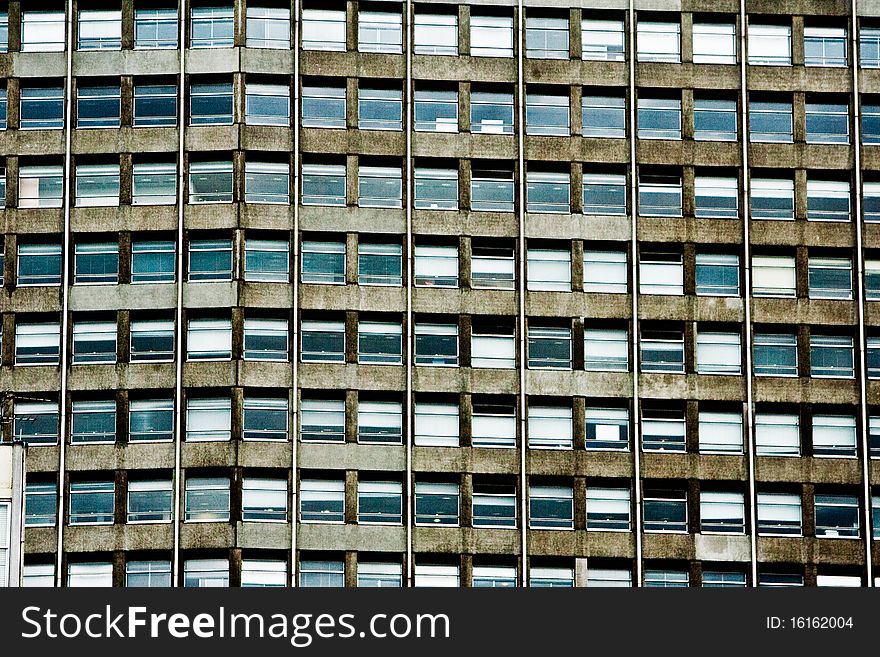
827, 123
324, 574
435, 34
150, 420
873, 349
155, 105
269, 104
436, 189
322, 107
4, 31
547, 115
831, 356
604, 194
546, 38
152, 341
722, 513
436, 425
212, 27
716, 198
263, 573
265, 339
323, 341
266, 261
42, 31
662, 351
828, 200
777, 434
207, 499
436, 344
99, 30
714, 43
493, 425
155, 28
97, 185
267, 182
608, 577
208, 419
380, 109
91, 502
830, 278
551, 507
549, 347
263, 500
210, 182
430, 575
205, 573
494, 577
770, 121
551, 577
322, 500
41, 504
210, 103
494, 506
869, 47
834, 435
98, 107
154, 184
603, 116
323, 262
824, 46
717, 274
714, 119
491, 36
35, 423
380, 502
4, 112
607, 428
149, 501
550, 427
769, 45
718, 353
380, 343
870, 122
94, 342
380, 422
265, 418
665, 510
659, 118
268, 27
323, 29
37, 344
210, 260
209, 339
663, 430
661, 273
548, 191
40, 186
658, 42
42, 108
492, 190
380, 187
775, 354
605, 271
492, 267
323, 184
608, 509
602, 40
38, 264
491, 113
773, 276
871, 202
93, 422
779, 514
606, 350
660, 195
380, 31
436, 266
720, 432
549, 270
380, 264
88, 574
436, 110
382, 575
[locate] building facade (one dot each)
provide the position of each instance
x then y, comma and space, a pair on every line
485, 294
12, 485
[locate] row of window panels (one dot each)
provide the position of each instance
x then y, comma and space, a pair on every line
603, 112
487, 421
386, 570
663, 191
836, 514
548, 35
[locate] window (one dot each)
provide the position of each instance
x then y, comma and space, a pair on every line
207, 499
605, 271
263, 573
714, 119
722, 513
38, 575
551, 577
210, 260
155, 574
491, 36
323, 29
36, 423
770, 121
380, 264
660, 195
659, 118
266, 261
4, 31
717, 274
827, 123
549, 270
149, 501
602, 40
834, 435
824, 46
40, 186
151, 420
779, 514
830, 278
42, 31
436, 189
155, 28
777, 434
658, 42
723, 579
550, 427
99, 30
837, 516
435, 34
606, 350
430, 575
871, 202
269, 104
268, 27
494, 506
41, 504
871, 121
37, 344
94, 342
546, 38
662, 351
773, 276
155, 105
608, 577
436, 266
323, 262
93, 421
42, 108
267, 182
666, 579
436, 110
98, 107
154, 184
608, 509
380, 343
380, 187
873, 356
210, 103
715, 197
828, 200
493, 425
323, 184
551, 507
322, 500
491, 113
492, 267
661, 273
212, 27
714, 43
548, 191
769, 45
322, 106
831, 356
663, 430
91, 502
4, 110
205, 573
494, 576
380, 31
324, 574
665, 510
210, 182
381, 575
380, 422
88, 574
718, 353
380, 502
436, 344
720, 432
603, 116
209, 339
549, 347
547, 115
872, 280
263, 500
607, 428
436, 425
97, 185
208, 418
323, 342
265, 418
265, 339
380, 109
38, 264
775, 354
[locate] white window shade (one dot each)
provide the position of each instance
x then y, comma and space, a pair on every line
210, 335
721, 432
769, 44
773, 273
497, 351
718, 353
4, 543
714, 43
777, 434
550, 426
208, 419
716, 507
779, 507
608, 501
37, 336
493, 430
436, 425
549, 270
834, 432
436, 262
